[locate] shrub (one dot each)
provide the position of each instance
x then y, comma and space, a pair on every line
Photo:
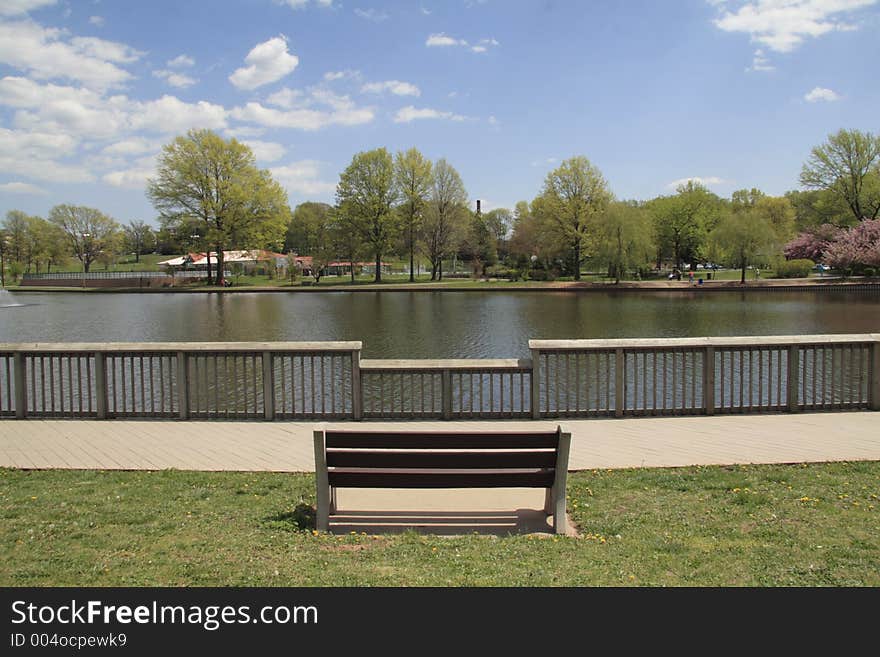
542, 275
794, 268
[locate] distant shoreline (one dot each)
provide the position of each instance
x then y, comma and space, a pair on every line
496, 286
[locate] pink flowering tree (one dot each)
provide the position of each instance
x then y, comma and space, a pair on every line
856, 248
812, 243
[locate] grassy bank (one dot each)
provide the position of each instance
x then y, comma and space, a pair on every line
745, 525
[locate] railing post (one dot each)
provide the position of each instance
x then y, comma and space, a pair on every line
793, 377
709, 380
874, 381
619, 392
20, 386
269, 386
446, 393
183, 384
101, 385
357, 405
536, 384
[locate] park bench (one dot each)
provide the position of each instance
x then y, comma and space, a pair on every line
397, 459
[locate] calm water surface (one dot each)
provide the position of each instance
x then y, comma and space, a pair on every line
430, 324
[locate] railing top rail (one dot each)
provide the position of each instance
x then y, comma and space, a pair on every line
447, 364
124, 347
732, 341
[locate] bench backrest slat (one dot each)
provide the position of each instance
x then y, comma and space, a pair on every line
421, 459
508, 478
390, 440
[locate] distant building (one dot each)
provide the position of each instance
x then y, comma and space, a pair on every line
247, 260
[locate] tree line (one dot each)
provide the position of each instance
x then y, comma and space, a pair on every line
210, 195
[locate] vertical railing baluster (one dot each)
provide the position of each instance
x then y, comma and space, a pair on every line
709, 380
793, 371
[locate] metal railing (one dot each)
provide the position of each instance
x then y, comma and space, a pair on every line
114, 275
329, 380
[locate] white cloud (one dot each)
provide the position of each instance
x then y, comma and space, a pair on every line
425, 12
303, 178
170, 115
443, 40
18, 7
244, 131
135, 177
395, 87
301, 118
302, 4
178, 80
97, 21
181, 61
410, 113
783, 25
34, 155
85, 114
313, 109
760, 62
544, 161
267, 62
46, 55
492, 120
22, 188
330, 76
705, 181
266, 151
118, 53
131, 146
374, 15
286, 98
821, 94
76, 112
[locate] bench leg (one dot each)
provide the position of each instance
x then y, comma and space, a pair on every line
333, 499
548, 501
559, 522
322, 492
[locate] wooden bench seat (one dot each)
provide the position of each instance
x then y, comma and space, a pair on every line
360, 459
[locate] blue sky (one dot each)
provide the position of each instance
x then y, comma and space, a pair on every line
733, 92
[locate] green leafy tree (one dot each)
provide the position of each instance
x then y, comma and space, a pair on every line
89, 231
816, 207
848, 166
500, 223
682, 221
15, 227
574, 195
201, 175
139, 238
366, 194
623, 239
445, 219
480, 244
412, 178
744, 238
300, 236
318, 233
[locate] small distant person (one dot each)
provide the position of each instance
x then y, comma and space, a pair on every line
691, 277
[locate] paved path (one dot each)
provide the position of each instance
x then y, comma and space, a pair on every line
287, 446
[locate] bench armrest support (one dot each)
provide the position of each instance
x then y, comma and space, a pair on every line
559, 483
322, 485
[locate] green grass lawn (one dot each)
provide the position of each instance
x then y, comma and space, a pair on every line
744, 525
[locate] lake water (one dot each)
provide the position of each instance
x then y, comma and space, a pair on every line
430, 324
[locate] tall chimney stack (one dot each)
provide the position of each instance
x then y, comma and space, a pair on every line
478, 206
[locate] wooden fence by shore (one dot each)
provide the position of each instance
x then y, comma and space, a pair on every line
330, 380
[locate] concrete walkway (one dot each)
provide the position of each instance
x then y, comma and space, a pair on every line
287, 446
